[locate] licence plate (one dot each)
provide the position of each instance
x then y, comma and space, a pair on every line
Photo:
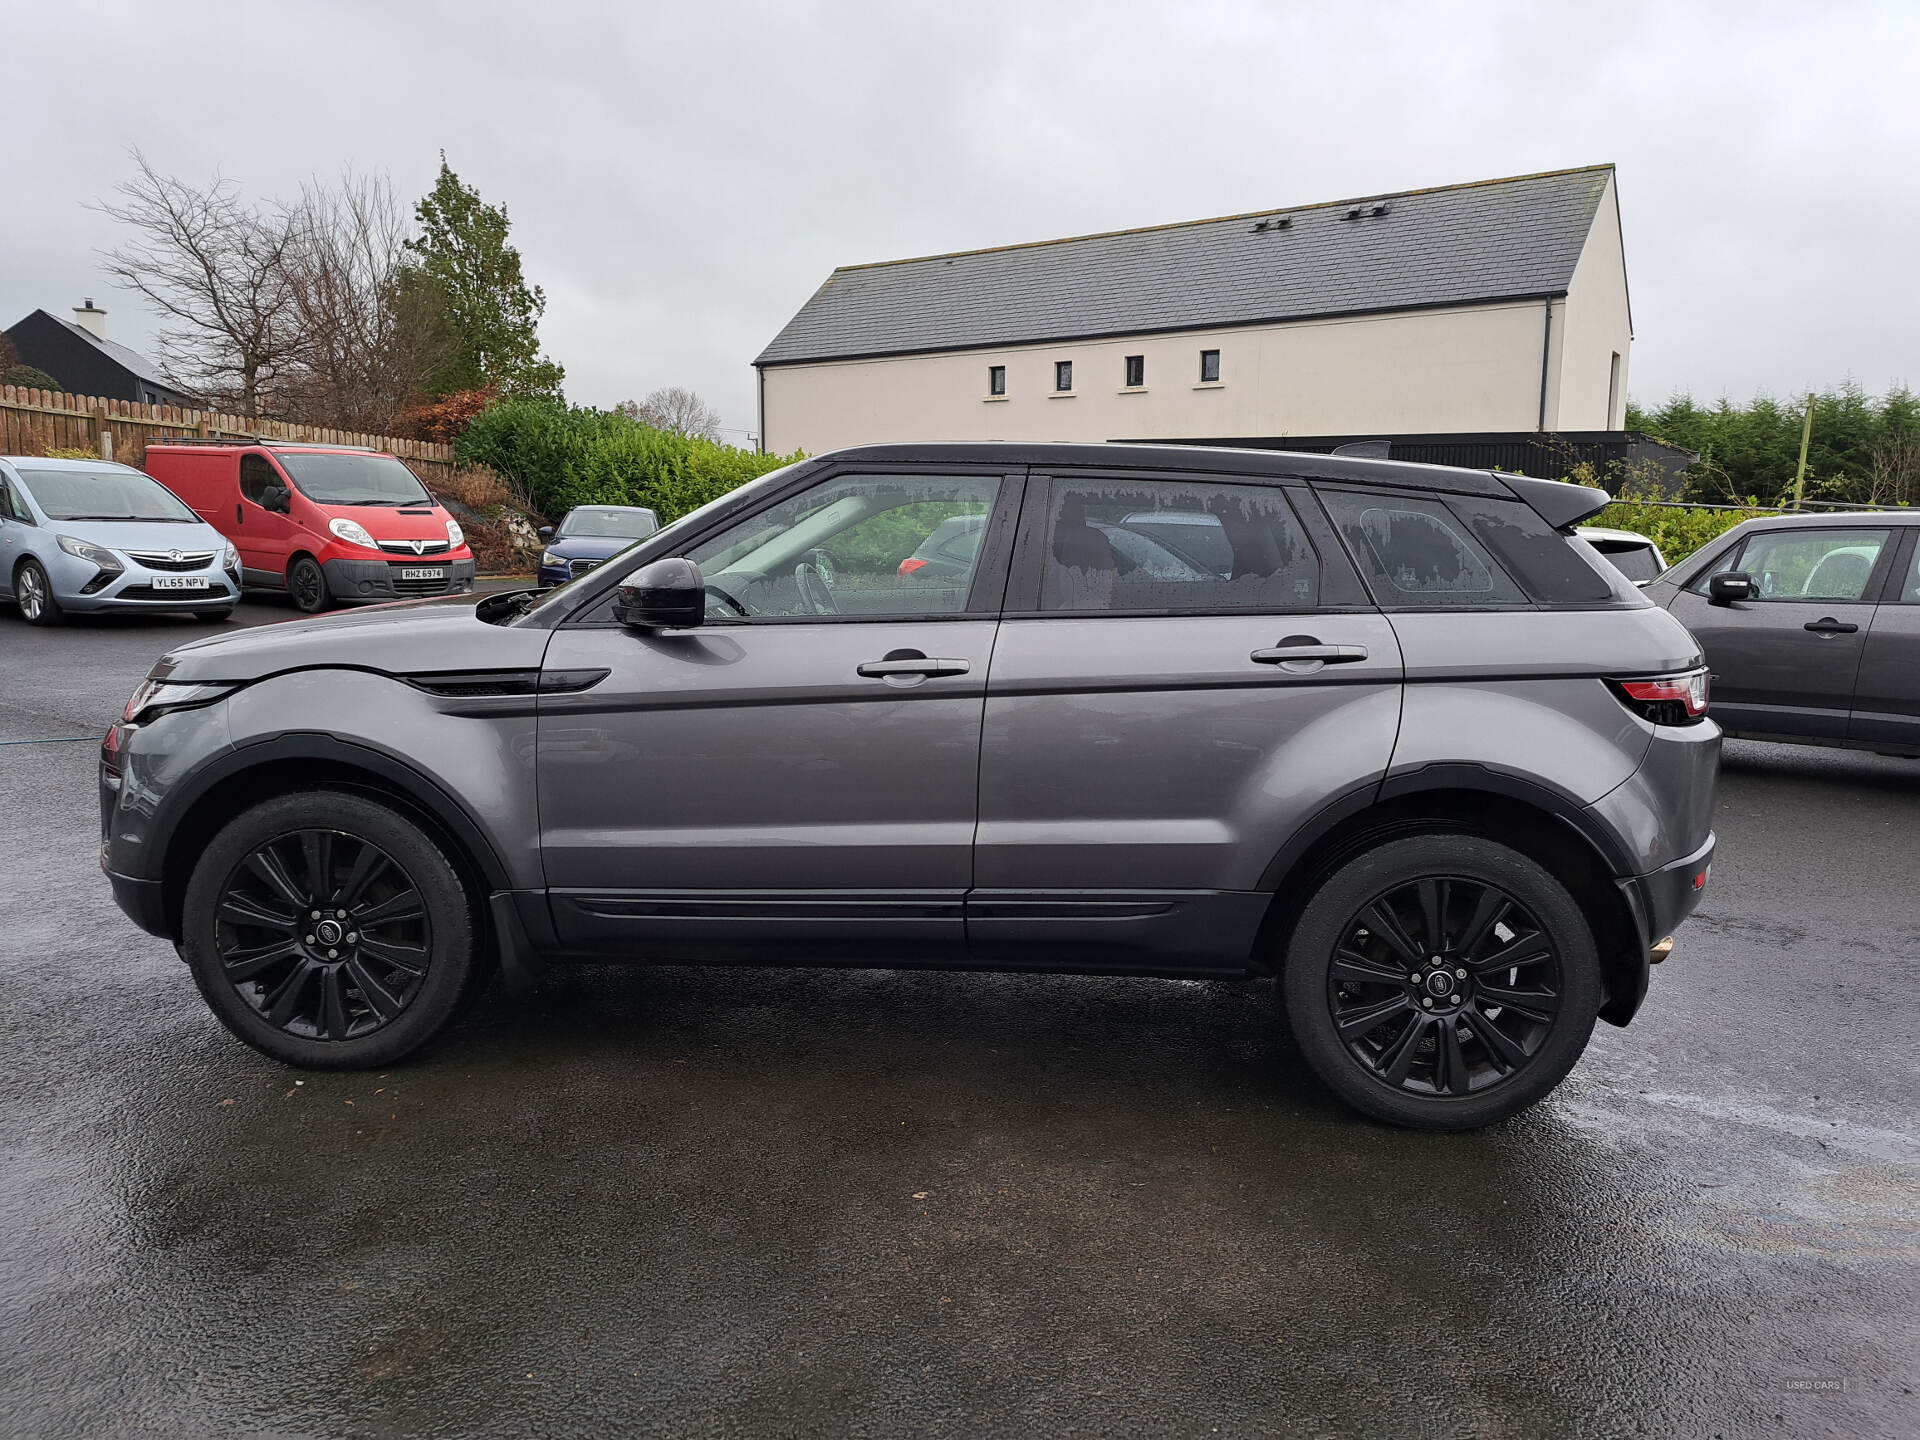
179, 582
423, 572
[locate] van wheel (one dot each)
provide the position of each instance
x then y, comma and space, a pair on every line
33, 593
307, 583
1442, 982
328, 931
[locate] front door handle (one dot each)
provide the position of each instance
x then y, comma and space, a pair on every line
1305, 648
911, 664
1827, 625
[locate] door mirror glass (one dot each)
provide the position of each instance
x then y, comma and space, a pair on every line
664, 595
1729, 586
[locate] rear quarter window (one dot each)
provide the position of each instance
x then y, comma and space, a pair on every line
1554, 569
1416, 552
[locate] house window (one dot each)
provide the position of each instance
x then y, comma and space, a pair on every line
1136, 371
996, 379
1613, 391
1209, 367
1063, 375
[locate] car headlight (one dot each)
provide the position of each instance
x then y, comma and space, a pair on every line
232, 560
155, 698
547, 557
352, 531
455, 535
91, 553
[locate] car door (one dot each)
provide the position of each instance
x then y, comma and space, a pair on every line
1886, 698
800, 771
263, 537
16, 526
1187, 669
1784, 662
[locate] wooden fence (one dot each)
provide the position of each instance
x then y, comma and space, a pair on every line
33, 422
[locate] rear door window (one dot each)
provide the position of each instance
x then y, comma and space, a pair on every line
1174, 546
1415, 552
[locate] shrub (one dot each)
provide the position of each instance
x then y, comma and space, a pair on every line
561, 456
1677, 532
443, 419
29, 377
477, 488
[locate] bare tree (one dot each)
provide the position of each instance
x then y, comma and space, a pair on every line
215, 268
370, 329
678, 409
1893, 471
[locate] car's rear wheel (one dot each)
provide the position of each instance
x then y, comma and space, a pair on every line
1442, 981
328, 931
33, 593
307, 583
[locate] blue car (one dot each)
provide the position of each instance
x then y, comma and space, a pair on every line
88, 535
589, 534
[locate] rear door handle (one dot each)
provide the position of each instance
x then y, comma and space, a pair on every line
1309, 650
898, 665
1827, 625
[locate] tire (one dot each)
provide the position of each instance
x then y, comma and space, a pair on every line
317, 992
33, 593
1368, 931
307, 584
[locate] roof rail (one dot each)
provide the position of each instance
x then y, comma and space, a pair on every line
258, 440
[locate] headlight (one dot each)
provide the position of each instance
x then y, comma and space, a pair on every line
455, 535
547, 557
232, 560
155, 698
352, 531
93, 554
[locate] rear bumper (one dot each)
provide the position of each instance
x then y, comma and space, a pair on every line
144, 902
1658, 902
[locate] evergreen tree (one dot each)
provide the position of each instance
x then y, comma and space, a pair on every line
463, 260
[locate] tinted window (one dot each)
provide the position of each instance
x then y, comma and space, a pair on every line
257, 476
103, 495
837, 549
1636, 562
1554, 568
1804, 564
1414, 552
1175, 545
1910, 587
343, 479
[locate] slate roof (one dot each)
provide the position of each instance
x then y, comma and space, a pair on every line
1458, 244
132, 361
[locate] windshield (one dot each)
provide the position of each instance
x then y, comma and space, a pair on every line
335, 479
104, 495
624, 524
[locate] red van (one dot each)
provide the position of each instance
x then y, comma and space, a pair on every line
329, 524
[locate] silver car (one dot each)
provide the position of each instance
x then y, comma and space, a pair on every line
1385, 732
87, 535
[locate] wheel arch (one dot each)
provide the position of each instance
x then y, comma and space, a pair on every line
1548, 827
259, 771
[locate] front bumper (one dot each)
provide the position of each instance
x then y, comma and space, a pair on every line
76, 589
372, 581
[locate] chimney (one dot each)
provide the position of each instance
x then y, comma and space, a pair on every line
91, 320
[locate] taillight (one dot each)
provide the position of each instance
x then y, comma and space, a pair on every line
911, 564
1666, 699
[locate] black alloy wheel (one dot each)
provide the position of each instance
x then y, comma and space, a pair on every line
323, 934
1444, 986
307, 583
1442, 981
327, 930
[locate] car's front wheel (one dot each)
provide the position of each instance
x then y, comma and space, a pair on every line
329, 931
33, 593
1442, 981
307, 583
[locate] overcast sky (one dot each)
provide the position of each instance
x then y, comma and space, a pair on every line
681, 177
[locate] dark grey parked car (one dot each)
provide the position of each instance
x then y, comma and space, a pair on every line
1811, 624
1382, 730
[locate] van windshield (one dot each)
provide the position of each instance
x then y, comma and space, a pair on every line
336, 479
104, 495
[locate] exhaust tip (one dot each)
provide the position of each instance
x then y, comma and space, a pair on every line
1660, 951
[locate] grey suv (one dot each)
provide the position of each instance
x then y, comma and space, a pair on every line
1384, 731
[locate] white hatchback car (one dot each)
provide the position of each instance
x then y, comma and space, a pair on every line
1628, 551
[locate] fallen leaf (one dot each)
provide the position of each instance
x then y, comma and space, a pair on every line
226, 1102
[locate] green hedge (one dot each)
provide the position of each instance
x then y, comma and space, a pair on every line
1677, 532
562, 456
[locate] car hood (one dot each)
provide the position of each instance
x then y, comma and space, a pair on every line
387, 522
409, 637
196, 538
589, 547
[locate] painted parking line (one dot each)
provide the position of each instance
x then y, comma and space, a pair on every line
54, 740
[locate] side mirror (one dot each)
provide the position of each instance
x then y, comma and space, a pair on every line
665, 595
1726, 588
545, 532
274, 498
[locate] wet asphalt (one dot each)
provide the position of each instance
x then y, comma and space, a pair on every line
672, 1201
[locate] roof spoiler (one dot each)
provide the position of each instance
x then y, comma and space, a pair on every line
1558, 503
